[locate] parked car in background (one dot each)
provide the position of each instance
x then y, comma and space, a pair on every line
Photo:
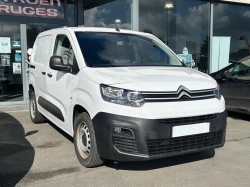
234, 81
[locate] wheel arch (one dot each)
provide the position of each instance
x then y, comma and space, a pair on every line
76, 111
32, 83
31, 89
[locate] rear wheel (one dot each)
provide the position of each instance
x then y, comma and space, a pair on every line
85, 142
35, 115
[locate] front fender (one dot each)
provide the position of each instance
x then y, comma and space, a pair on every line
83, 98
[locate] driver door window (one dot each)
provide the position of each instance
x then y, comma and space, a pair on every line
64, 49
242, 69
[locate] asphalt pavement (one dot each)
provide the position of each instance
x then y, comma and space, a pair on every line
43, 155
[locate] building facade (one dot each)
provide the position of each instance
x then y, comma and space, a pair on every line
207, 35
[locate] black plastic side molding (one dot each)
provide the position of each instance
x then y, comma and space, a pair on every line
32, 66
51, 108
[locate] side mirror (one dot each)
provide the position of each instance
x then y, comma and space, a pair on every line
56, 63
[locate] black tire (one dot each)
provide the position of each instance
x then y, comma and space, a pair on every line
85, 142
35, 115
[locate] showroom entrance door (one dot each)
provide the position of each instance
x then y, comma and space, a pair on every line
13, 52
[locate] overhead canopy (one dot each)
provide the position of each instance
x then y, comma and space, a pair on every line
238, 1
88, 4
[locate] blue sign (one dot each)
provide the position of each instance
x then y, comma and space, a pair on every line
186, 58
18, 57
16, 43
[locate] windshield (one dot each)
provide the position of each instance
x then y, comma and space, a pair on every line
117, 49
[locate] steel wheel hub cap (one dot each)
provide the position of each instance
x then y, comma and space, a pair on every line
32, 108
84, 140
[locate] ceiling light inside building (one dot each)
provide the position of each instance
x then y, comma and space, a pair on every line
169, 5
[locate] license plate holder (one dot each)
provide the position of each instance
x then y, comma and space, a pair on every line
192, 129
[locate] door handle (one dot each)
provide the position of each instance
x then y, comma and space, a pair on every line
43, 72
49, 75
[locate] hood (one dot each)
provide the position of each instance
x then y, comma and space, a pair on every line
217, 75
152, 78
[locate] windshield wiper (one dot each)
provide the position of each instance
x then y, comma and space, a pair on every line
139, 62
154, 45
102, 65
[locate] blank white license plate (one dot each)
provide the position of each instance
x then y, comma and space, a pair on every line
185, 130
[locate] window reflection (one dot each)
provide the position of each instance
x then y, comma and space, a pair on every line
242, 69
106, 15
71, 12
179, 24
11, 82
33, 29
231, 21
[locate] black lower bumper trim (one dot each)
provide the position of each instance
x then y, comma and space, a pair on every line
152, 139
185, 143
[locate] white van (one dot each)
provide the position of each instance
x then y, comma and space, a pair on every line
123, 95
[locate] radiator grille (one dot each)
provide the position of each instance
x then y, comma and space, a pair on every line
186, 143
182, 94
125, 144
187, 120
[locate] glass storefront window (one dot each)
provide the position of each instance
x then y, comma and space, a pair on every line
11, 82
71, 13
33, 29
33, 8
231, 34
182, 25
106, 15
38, 16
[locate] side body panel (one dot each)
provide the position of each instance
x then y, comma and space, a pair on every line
40, 60
232, 90
60, 86
246, 93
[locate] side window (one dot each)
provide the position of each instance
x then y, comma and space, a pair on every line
242, 69
42, 49
64, 49
227, 73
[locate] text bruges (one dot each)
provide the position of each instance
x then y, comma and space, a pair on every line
25, 9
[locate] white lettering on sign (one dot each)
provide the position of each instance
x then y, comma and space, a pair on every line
52, 12
18, 11
32, 3
35, 2
4, 8
29, 11
41, 12
45, 2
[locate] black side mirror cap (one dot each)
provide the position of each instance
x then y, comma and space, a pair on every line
56, 63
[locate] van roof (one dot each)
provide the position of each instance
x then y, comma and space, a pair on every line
94, 29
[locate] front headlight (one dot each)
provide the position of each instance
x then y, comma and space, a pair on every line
121, 96
217, 92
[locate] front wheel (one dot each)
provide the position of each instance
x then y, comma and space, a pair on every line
35, 115
85, 142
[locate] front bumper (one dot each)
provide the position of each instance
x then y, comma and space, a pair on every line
152, 138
